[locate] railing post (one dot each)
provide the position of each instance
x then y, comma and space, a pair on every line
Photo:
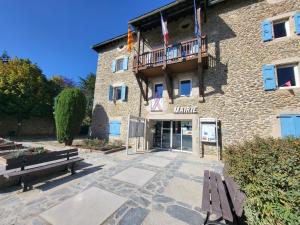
138, 49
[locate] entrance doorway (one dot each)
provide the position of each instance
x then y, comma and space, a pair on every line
175, 135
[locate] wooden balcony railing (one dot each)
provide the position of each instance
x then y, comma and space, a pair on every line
174, 53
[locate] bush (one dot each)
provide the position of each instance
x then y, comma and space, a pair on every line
70, 106
268, 171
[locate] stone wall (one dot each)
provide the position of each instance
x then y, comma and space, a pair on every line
30, 127
233, 82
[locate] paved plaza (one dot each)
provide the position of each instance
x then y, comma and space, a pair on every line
156, 188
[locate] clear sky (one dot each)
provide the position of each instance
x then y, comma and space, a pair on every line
58, 34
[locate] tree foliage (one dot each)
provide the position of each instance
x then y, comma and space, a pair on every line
70, 107
87, 85
268, 171
24, 90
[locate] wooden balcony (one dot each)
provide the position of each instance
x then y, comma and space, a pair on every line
178, 58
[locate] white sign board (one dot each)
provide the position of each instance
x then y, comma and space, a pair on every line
208, 132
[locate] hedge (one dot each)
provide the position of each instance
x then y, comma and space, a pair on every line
268, 171
69, 110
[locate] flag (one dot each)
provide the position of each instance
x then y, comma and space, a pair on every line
164, 30
288, 84
129, 39
197, 25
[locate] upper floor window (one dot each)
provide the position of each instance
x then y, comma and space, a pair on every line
281, 29
287, 76
185, 88
158, 90
120, 64
281, 76
117, 93
282, 26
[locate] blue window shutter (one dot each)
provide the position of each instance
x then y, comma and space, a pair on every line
297, 23
110, 93
125, 63
297, 125
287, 126
113, 66
268, 72
267, 30
123, 93
174, 51
114, 128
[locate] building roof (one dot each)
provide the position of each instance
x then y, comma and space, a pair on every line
151, 19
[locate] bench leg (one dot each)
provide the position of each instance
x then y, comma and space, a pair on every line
24, 183
72, 169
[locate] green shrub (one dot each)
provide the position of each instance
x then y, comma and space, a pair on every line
70, 106
268, 171
93, 143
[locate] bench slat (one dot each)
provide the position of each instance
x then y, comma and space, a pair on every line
40, 168
215, 198
226, 211
237, 196
206, 193
28, 160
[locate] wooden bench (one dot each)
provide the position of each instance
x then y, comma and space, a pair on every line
224, 199
45, 161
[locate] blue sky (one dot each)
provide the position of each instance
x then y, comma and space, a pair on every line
58, 34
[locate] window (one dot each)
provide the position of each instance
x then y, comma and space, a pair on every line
114, 128
185, 87
290, 125
118, 93
282, 77
281, 29
120, 64
158, 90
287, 76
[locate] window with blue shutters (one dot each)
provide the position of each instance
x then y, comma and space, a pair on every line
185, 87
125, 63
269, 77
118, 93
290, 125
115, 128
297, 23
267, 30
158, 90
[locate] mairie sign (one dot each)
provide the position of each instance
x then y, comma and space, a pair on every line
186, 109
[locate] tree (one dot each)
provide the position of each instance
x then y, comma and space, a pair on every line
24, 90
87, 86
70, 107
59, 82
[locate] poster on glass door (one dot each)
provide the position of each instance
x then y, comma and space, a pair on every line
208, 132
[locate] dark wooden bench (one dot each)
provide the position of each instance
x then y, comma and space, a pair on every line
224, 199
9, 146
40, 162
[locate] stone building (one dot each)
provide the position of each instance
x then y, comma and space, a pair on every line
242, 80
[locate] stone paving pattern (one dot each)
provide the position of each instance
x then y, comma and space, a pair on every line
152, 203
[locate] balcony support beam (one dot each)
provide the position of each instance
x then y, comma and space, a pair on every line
169, 84
140, 80
200, 75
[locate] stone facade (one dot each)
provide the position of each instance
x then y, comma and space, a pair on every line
233, 82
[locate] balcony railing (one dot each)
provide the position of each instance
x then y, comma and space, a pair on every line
174, 53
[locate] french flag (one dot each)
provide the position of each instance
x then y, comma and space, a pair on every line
164, 29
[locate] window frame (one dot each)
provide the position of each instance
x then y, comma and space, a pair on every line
282, 20
296, 76
191, 87
122, 63
163, 88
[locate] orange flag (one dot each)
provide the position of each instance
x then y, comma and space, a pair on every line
129, 40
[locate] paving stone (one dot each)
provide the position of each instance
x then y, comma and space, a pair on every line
159, 218
121, 211
189, 216
162, 199
141, 200
134, 216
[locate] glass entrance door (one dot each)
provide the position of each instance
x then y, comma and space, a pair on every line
166, 135
176, 135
